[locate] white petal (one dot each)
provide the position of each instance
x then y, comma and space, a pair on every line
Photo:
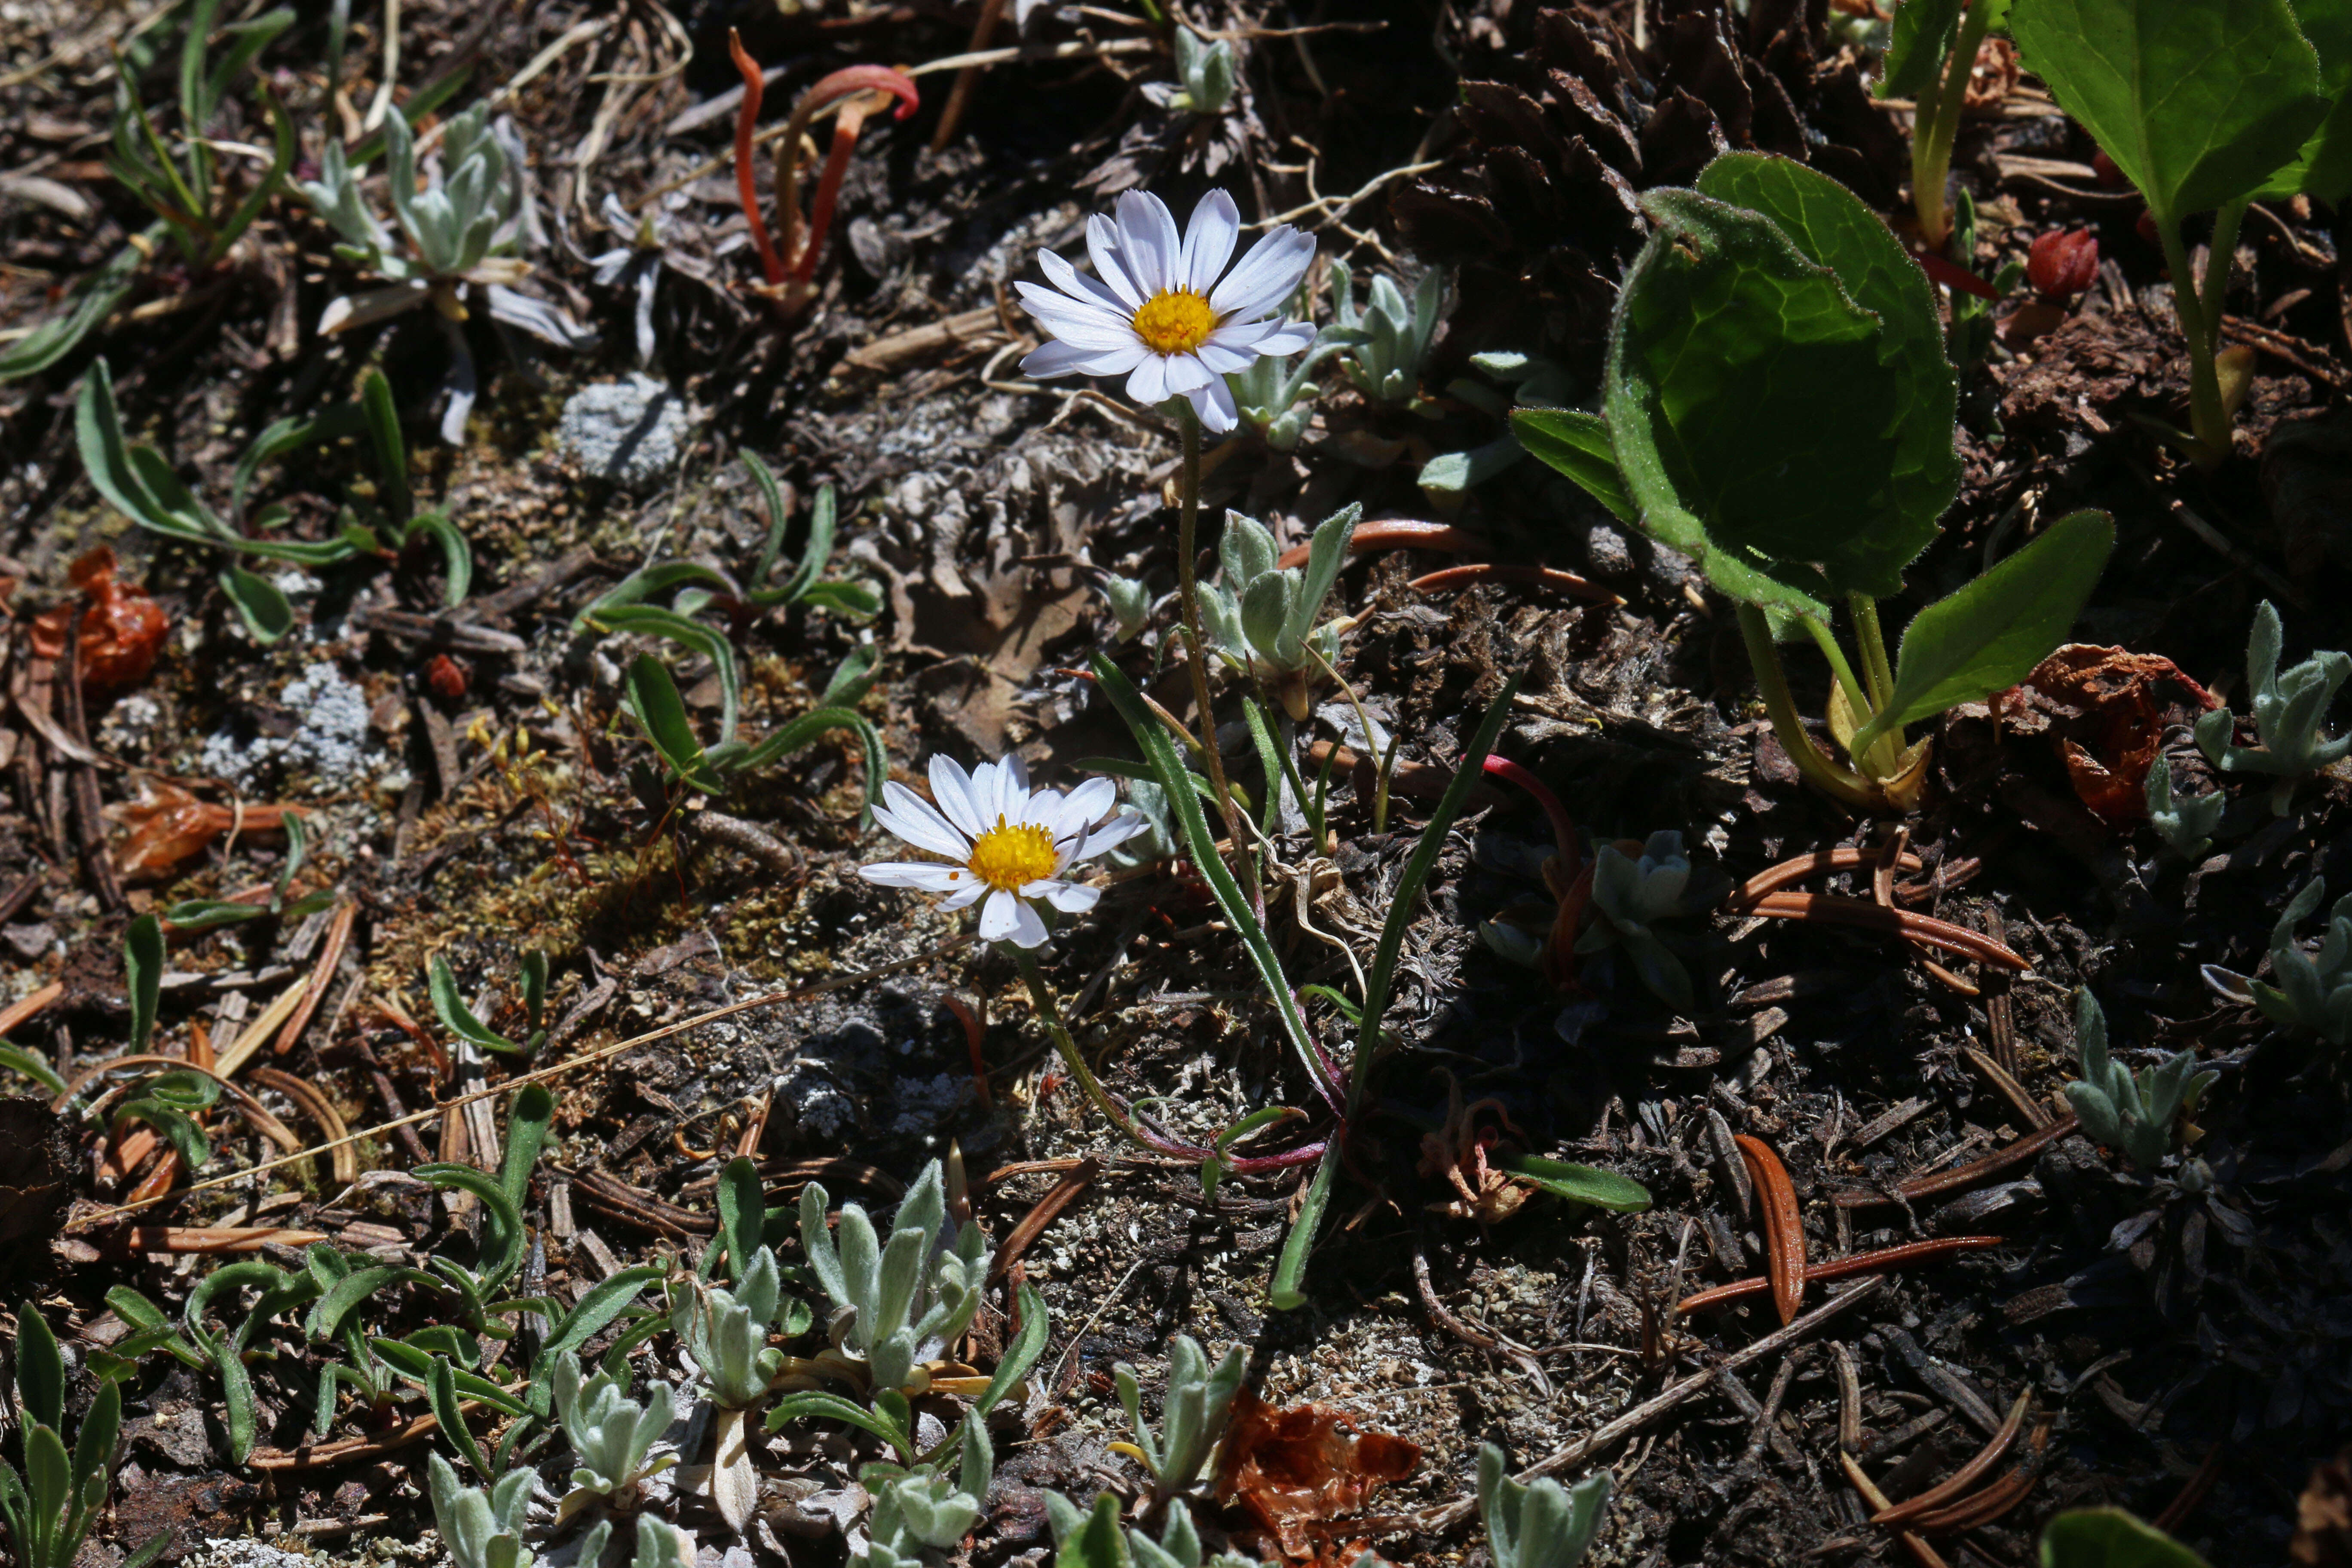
1069, 898
1149, 383
998, 916
1085, 804
1208, 241
1223, 358
1043, 809
1288, 338
969, 894
953, 787
1267, 276
1111, 834
1102, 248
930, 877
1215, 404
1076, 322
1028, 926
914, 819
1148, 243
1078, 286
1055, 358
1187, 374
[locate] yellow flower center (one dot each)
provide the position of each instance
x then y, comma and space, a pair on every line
1175, 322
1012, 857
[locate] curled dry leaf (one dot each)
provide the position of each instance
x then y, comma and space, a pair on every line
1296, 1470
121, 628
1457, 1151
2105, 710
169, 827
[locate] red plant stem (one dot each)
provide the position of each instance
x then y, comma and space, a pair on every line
839, 85
973, 1031
1784, 1228
1952, 275
1490, 572
1820, 862
846, 126
1563, 830
1394, 533
1830, 909
2178, 1510
747, 185
1943, 1182
1901, 1256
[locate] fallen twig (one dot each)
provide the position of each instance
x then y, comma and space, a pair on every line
1431, 1522
1830, 909
1944, 1181
1904, 1257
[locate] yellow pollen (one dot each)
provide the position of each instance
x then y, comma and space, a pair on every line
1012, 858
1175, 322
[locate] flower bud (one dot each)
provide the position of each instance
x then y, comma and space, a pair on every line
2063, 263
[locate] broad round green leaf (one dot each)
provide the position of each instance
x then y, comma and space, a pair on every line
2110, 1538
2197, 102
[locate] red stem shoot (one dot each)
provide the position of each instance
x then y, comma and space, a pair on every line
747, 185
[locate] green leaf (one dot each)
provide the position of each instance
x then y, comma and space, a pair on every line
390, 451
689, 634
268, 614
203, 914
527, 1124
1921, 36
588, 1318
30, 1064
1021, 1355
441, 1392
2323, 170
1578, 1183
778, 519
658, 709
643, 583
806, 729
818, 1406
848, 598
106, 456
458, 1019
457, 555
852, 678
502, 1231
1172, 775
1748, 404
1577, 444
96, 297
742, 1213
2197, 104
283, 147
297, 845
1991, 635
2110, 1538
142, 956
41, 1368
1286, 1293
1833, 229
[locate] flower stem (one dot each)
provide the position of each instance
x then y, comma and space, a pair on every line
1876, 670
1935, 125
1043, 995
2209, 420
1781, 706
1196, 646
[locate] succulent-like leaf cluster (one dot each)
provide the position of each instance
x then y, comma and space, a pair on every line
2288, 705
1158, 841
50, 1508
1631, 896
897, 1304
1537, 1525
924, 1506
2132, 1114
482, 1529
2185, 822
609, 1432
726, 1331
2310, 990
1261, 615
453, 227
1130, 605
660, 1545
1276, 399
1386, 364
1192, 1415
1206, 71
1094, 1538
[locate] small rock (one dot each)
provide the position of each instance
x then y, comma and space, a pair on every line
628, 433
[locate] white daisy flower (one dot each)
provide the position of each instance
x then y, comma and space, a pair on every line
1158, 312
1007, 845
